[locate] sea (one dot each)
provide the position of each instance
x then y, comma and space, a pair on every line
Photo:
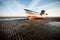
4, 19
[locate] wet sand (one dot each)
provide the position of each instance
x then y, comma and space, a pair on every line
30, 29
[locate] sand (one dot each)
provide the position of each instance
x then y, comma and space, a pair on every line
44, 29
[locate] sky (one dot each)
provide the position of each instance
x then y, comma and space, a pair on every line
16, 7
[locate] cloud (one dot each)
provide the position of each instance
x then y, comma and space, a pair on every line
54, 12
12, 8
47, 6
33, 3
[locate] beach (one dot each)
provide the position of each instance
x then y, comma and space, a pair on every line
23, 29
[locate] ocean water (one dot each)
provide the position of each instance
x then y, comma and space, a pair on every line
2, 19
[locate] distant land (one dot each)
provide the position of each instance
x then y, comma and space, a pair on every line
24, 17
